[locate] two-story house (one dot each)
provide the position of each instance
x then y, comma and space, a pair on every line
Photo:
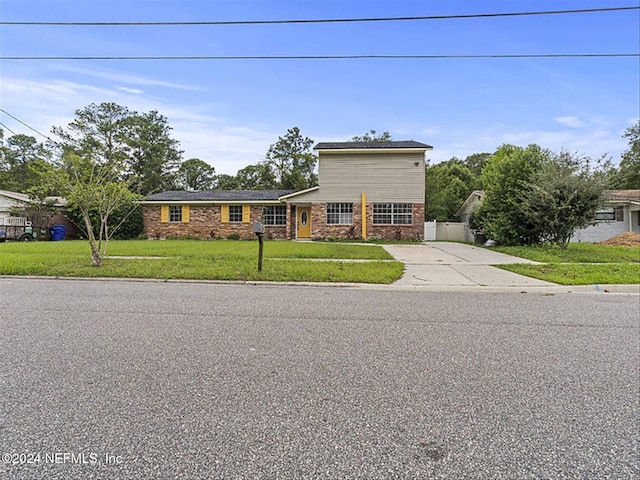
365, 189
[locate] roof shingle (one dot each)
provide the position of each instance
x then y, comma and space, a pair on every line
218, 195
370, 145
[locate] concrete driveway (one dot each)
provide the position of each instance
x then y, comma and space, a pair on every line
446, 264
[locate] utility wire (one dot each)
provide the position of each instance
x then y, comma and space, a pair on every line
325, 57
21, 122
326, 20
10, 131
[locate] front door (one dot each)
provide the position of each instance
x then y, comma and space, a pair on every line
304, 222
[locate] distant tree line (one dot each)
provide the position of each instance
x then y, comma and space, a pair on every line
109, 157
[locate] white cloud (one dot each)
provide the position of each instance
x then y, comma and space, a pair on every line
570, 121
133, 91
123, 78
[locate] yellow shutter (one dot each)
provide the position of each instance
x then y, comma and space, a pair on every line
185, 214
224, 213
164, 214
246, 213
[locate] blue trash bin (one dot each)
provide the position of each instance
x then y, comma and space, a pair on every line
58, 233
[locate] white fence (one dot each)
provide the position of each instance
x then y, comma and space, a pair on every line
14, 222
447, 231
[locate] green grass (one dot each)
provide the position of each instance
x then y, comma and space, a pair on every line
575, 253
578, 264
580, 274
204, 260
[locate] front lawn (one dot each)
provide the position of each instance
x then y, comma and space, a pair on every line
578, 264
575, 253
204, 260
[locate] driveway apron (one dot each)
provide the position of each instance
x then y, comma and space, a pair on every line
457, 265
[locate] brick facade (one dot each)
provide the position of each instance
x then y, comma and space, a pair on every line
397, 232
320, 230
205, 222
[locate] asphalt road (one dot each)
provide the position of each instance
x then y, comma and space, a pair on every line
124, 380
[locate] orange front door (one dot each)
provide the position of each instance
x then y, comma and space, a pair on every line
304, 222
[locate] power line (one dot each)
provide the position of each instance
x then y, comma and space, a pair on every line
327, 57
21, 122
11, 131
325, 20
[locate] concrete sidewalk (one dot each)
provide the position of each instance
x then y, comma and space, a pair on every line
441, 264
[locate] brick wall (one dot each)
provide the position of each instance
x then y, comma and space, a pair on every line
320, 230
397, 232
204, 222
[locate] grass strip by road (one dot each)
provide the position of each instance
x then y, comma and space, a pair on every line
578, 264
204, 260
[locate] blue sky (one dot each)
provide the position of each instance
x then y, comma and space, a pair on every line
229, 112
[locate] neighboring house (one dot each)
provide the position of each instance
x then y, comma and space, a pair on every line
365, 189
620, 215
466, 210
20, 204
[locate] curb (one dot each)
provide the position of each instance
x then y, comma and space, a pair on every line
546, 290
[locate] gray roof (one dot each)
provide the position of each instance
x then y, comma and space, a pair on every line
370, 145
218, 195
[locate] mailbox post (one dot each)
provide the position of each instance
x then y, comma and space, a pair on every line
258, 228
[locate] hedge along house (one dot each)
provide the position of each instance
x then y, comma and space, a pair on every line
366, 189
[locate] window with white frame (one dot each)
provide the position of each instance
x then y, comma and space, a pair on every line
392, 213
340, 213
606, 215
235, 213
274, 215
175, 213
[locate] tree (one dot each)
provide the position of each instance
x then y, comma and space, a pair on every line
562, 197
447, 185
256, 177
628, 174
476, 162
19, 162
98, 131
92, 170
138, 146
506, 174
372, 136
95, 190
292, 161
196, 174
153, 156
226, 182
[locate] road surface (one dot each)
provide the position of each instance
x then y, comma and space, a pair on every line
120, 379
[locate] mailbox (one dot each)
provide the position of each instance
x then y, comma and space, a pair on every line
258, 228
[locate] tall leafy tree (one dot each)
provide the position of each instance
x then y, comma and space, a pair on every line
98, 132
95, 190
256, 177
506, 174
628, 173
226, 182
137, 146
373, 136
92, 171
476, 162
561, 197
153, 156
22, 156
196, 174
292, 161
447, 185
